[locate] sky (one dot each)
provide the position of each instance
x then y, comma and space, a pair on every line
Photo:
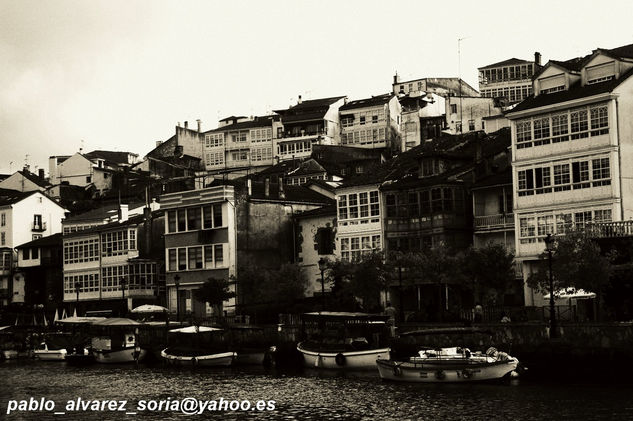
120, 74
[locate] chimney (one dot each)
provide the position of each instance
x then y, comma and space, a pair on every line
267, 187
158, 143
396, 78
282, 193
345, 100
123, 213
537, 58
250, 187
40, 172
186, 124
299, 100
179, 124
199, 125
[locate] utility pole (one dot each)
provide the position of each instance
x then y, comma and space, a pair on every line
459, 77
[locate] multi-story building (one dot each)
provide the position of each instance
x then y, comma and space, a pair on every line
38, 278
115, 265
104, 215
309, 122
509, 79
23, 217
372, 122
469, 113
571, 147
241, 144
423, 117
442, 86
25, 181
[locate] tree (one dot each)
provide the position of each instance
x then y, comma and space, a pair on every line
488, 269
214, 291
577, 263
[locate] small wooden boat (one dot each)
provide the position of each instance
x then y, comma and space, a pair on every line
119, 344
342, 340
45, 354
207, 360
448, 365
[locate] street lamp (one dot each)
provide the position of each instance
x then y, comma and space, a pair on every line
399, 250
322, 263
177, 283
77, 286
553, 330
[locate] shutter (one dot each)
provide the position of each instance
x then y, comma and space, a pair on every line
600, 71
552, 82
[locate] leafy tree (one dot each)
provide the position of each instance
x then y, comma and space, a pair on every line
577, 262
214, 291
488, 268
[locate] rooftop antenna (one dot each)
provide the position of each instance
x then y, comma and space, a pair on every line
26, 161
10, 167
81, 148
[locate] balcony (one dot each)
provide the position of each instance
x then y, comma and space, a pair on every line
501, 221
38, 226
610, 229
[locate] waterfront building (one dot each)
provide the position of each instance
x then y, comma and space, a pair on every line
117, 265
371, 123
38, 278
570, 148
23, 217
509, 79
241, 144
423, 117
308, 123
213, 231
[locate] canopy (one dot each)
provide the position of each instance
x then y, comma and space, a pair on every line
571, 293
75, 319
195, 329
117, 321
150, 308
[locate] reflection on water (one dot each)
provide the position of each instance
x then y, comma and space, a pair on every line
308, 395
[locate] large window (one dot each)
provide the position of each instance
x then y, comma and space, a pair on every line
213, 140
116, 243
576, 174
79, 251
535, 228
111, 277
194, 218
352, 248
85, 282
363, 206
209, 256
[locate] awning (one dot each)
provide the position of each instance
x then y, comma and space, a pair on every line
150, 308
568, 293
195, 329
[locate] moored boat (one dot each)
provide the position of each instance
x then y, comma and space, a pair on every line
344, 340
117, 341
448, 365
198, 346
45, 354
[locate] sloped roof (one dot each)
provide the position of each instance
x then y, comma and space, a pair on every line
110, 156
309, 166
293, 193
9, 197
34, 178
575, 92
508, 62
264, 121
105, 211
322, 211
368, 102
495, 179
625, 51
308, 110
133, 220
48, 241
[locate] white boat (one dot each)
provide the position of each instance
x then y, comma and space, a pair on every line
45, 354
9, 354
222, 359
194, 347
353, 360
118, 356
355, 346
448, 365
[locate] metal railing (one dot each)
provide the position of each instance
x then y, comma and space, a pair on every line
501, 220
610, 229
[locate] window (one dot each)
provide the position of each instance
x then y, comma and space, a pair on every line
599, 120
524, 131
214, 140
373, 203
361, 120
214, 158
527, 230
561, 177
116, 243
347, 121
171, 260
194, 219
559, 127
81, 250
88, 282
603, 215
88, 179
581, 219
3, 238
26, 254
182, 259
601, 174
453, 108
182, 220
171, 221
579, 124
358, 205
541, 130
580, 174
545, 225
436, 200
195, 257
3, 219
563, 223
218, 255
364, 205
471, 125
352, 248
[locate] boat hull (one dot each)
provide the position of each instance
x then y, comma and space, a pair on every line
223, 359
50, 355
351, 360
434, 372
125, 355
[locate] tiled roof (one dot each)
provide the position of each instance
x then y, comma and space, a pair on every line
34, 178
625, 51
308, 110
575, 92
368, 102
9, 197
309, 166
495, 179
297, 194
323, 211
508, 62
265, 121
133, 220
48, 241
110, 156
295, 118
233, 118
103, 212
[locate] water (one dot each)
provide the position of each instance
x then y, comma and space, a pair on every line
309, 395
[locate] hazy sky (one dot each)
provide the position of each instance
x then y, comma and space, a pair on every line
119, 75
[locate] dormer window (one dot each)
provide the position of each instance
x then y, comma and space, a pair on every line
552, 84
431, 167
600, 73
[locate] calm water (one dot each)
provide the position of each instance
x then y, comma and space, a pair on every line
309, 395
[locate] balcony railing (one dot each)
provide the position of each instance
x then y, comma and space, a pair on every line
501, 220
610, 229
38, 226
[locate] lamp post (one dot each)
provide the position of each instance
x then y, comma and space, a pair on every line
123, 282
322, 263
77, 286
553, 330
177, 283
400, 299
